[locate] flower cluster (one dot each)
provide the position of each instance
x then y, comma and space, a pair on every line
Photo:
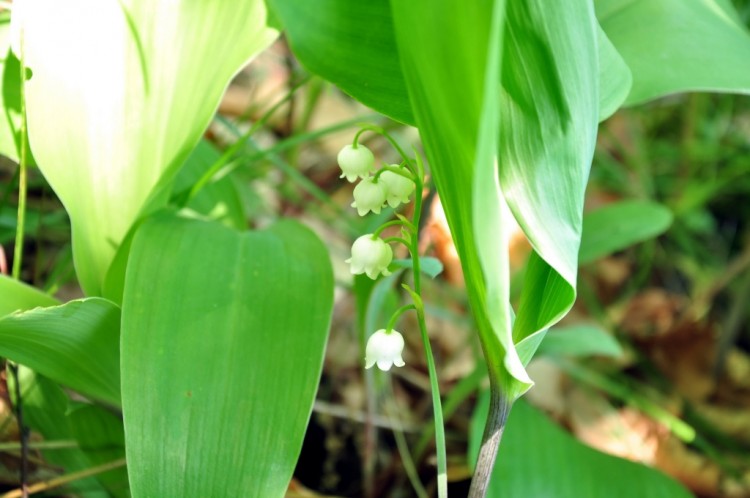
392, 185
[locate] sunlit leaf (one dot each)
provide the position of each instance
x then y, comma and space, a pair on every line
121, 93
677, 45
222, 346
619, 225
539, 459
75, 344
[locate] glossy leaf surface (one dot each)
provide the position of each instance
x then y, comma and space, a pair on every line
116, 104
222, 348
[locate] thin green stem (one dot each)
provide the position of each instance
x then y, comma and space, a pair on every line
398, 240
393, 223
406, 458
380, 131
442, 465
62, 444
22, 176
396, 315
398, 170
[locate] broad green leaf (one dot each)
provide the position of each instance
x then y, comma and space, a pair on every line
47, 410
548, 111
619, 225
579, 340
538, 459
677, 45
75, 344
120, 95
223, 336
18, 296
353, 45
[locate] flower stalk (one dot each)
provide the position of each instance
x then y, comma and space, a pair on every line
393, 184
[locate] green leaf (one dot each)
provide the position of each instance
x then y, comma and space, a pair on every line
676, 45
615, 78
117, 104
351, 44
75, 344
618, 226
220, 372
579, 340
539, 459
18, 296
47, 410
546, 103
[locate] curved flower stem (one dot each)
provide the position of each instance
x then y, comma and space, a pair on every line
404, 223
397, 239
396, 170
380, 131
437, 408
396, 315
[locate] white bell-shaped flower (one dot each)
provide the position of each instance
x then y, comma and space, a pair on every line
397, 188
369, 196
384, 349
356, 162
371, 256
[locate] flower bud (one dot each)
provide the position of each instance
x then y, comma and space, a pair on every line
356, 162
371, 256
397, 188
368, 196
384, 349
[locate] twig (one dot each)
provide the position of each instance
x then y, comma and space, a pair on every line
62, 480
24, 432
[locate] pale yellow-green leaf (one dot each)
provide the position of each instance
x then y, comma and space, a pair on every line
120, 94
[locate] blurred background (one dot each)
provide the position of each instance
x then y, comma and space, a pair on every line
656, 366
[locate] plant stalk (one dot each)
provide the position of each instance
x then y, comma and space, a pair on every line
437, 408
500, 407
